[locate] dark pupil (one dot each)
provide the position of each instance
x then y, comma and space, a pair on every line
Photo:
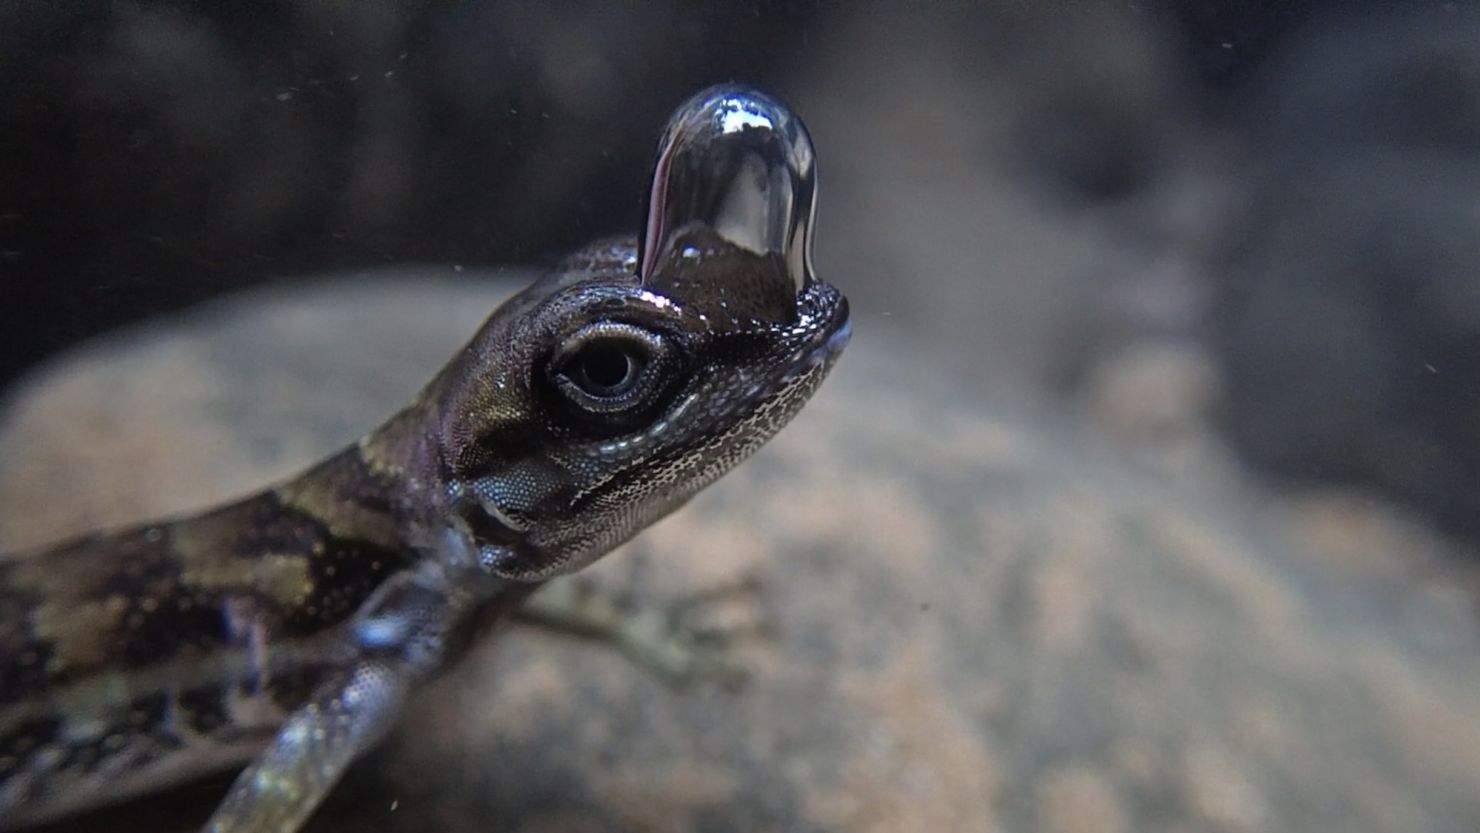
604, 369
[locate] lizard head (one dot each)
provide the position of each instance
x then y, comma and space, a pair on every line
635, 374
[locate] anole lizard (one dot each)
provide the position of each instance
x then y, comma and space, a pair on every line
285, 630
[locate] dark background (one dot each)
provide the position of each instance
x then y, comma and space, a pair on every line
1269, 210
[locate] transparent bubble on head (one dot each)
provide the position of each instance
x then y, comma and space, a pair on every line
731, 206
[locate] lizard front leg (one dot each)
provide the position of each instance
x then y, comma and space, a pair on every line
681, 641
344, 718
398, 639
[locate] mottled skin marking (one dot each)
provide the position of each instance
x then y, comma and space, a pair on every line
288, 628
176, 639
166, 593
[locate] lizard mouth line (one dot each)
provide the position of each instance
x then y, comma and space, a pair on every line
825, 353
487, 524
839, 338
828, 344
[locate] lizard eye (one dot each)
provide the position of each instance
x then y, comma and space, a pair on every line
609, 368
605, 371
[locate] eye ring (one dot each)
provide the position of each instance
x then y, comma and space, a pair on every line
609, 367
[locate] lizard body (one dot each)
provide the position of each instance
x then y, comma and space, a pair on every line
286, 629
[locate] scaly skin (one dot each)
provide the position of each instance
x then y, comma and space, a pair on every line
287, 629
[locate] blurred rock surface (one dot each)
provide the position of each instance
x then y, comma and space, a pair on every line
981, 621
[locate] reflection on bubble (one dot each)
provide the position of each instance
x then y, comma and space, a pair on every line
732, 200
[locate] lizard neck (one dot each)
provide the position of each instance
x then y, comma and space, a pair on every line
403, 462
391, 489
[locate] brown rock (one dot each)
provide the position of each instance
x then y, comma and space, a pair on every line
979, 622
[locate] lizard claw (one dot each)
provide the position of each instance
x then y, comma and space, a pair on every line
685, 641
